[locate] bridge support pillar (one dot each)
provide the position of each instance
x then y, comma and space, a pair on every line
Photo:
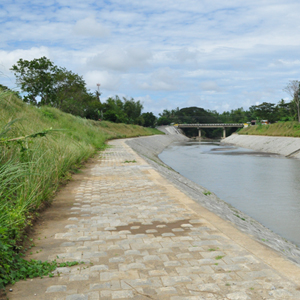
199, 133
224, 132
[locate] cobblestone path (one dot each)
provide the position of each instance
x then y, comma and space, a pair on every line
141, 238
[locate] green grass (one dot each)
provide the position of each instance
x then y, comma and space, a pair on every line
219, 257
32, 167
291, 128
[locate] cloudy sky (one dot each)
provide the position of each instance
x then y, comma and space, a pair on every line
214, 54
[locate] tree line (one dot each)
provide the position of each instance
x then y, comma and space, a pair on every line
43, 83
282, 111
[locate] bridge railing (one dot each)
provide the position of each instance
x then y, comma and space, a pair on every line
211, 125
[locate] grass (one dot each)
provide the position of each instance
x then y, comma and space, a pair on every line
39, 149
291, 128
219, 257
207, 193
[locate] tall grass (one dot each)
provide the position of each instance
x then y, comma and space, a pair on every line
31, 169
291, 128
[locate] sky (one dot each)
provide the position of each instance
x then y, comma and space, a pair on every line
215, 54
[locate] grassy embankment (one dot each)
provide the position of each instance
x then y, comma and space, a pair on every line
277, 129
31, 169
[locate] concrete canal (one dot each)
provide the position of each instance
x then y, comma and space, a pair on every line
264, 186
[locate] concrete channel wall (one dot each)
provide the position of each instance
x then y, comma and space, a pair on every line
149, 148
286, 146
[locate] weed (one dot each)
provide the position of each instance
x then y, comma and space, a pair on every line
240, 217
129, 161
211, 249
13, 267
207, 193
219, 257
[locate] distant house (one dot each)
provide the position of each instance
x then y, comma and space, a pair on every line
263, 122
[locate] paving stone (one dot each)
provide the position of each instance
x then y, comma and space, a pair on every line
238, 296
172, 280
56, 288
122, 295
79, 277
99, 268
77, 297
151, 257
166, 290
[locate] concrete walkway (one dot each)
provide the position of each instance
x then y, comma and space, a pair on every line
141, 238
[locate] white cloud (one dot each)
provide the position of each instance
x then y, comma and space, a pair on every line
89, 27
170, 53
210, 86
119, 59
164, 79
108, 81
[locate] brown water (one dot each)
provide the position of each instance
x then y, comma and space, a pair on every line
264, 186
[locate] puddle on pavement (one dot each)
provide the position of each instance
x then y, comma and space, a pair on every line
158, 228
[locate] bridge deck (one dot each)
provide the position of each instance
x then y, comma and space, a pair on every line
212, 125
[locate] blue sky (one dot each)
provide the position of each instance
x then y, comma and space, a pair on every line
218, 55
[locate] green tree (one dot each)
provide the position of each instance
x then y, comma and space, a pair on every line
67, 85
293, 89
123, 111
37, 79
265, 111
149, 119
133, 110
46, 84
284, 111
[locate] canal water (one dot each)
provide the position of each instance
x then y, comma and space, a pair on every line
264, 186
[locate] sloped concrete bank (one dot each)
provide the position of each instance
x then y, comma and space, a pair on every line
286, 146
149, 148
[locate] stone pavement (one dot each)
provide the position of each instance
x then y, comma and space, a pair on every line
141, 238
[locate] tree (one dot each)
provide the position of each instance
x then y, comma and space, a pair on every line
126, 111
47, 84
37, 79
133, 110
114, 110
149, 119
265, 111
294, 91
284, 111
67, 85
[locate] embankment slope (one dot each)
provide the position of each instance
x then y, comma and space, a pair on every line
287, 146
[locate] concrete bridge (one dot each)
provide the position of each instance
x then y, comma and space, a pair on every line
212, 125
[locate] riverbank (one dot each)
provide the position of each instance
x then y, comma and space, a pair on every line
286, 146
149, 148
140, 237
282, 129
